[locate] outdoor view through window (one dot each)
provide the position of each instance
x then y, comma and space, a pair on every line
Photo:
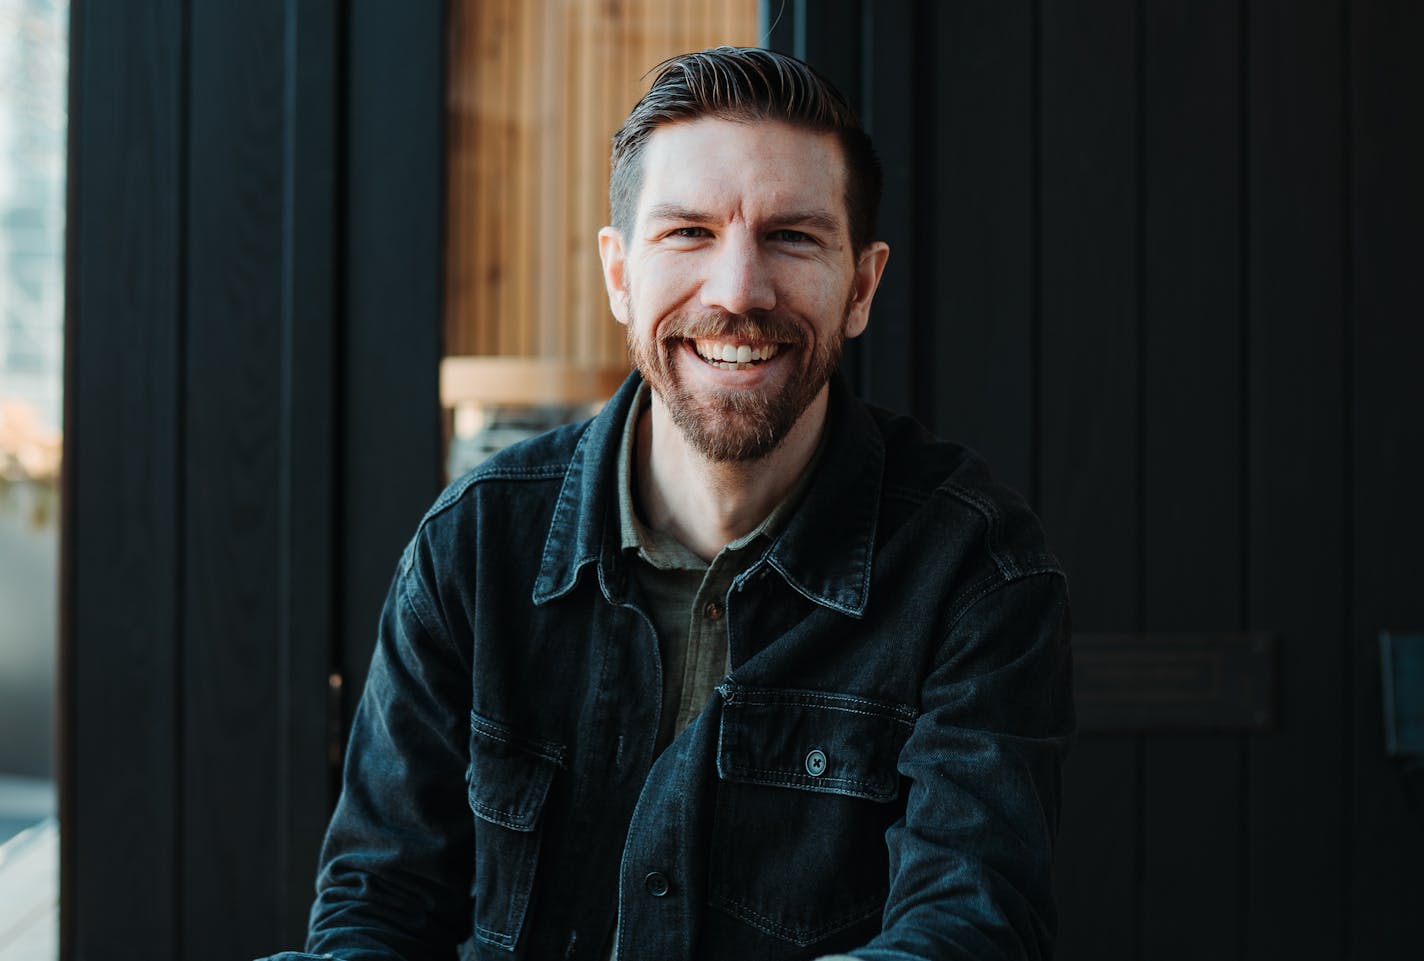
33, 69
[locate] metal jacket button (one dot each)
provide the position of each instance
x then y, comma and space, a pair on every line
816, 763
656, 883
713, 611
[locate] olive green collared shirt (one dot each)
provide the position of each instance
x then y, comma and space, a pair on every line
686, 596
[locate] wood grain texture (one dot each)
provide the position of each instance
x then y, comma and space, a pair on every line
254, 333
1193, 903
1294, 863
1386, 143
536, 91
124, 339
1089, 406
232, 463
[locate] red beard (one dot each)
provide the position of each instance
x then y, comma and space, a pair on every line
741, 424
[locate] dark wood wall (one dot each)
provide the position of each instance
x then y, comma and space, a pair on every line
1158, 260
252, 432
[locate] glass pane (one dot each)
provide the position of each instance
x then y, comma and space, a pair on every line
536, 91
34, 56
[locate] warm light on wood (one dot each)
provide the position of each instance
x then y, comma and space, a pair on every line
518, 381
537, 89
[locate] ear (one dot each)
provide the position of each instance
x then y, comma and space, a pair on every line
615, 271
869, 265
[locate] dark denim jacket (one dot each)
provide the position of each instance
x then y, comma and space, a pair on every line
879, 773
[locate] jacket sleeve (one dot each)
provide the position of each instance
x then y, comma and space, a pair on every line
970, 862
396, 864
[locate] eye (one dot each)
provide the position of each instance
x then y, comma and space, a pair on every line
791, 237
690, 233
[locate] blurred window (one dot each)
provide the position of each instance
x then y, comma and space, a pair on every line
34, 56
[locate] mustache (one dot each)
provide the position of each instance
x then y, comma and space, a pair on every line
719, 324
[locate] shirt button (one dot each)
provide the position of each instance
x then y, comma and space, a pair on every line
656, 883
816, 763
713, 611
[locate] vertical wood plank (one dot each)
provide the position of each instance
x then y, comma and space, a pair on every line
535, 93
123, 532
981, 188
458, 172
553, 153
1193, 896
231, 465
832, 44
524, 192
1090, 417
306, 588
1296, 526
390, 444
888, 374
1386, 840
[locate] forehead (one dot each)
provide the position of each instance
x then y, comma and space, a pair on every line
753, 168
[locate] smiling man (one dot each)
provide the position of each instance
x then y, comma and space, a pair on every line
742, 668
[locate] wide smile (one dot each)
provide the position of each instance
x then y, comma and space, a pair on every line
734, 355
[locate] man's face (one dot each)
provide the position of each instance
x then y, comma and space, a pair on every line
739, 284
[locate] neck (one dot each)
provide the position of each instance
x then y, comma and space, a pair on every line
706, 504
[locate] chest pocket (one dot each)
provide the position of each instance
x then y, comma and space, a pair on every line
808, 788
510, 777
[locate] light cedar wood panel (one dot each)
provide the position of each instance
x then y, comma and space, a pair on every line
536, 91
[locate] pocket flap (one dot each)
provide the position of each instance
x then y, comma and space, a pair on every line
509, 774
831, 743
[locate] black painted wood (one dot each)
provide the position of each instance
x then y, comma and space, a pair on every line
1385, 840
776, 22
307, 500
232, 463
390, 456
888, 359
200, 379
1296, 470
833, 40
1193, 902
980, 347
120, 792
1090, 422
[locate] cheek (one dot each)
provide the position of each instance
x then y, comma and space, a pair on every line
657, 295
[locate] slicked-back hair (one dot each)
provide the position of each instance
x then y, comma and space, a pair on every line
745, 84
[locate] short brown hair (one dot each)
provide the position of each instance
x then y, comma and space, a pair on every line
748, 84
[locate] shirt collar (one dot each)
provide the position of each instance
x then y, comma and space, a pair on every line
664, 551
824, 551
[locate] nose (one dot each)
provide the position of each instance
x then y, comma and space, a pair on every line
738, 279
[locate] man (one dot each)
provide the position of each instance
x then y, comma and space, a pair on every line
741, 668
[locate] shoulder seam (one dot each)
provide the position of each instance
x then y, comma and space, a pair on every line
1006, 564
987, 585
456, 491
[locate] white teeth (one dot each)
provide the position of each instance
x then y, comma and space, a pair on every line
738, 354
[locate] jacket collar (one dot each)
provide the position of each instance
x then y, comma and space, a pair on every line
825, 551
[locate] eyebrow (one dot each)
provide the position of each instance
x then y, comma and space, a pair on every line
818, 219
